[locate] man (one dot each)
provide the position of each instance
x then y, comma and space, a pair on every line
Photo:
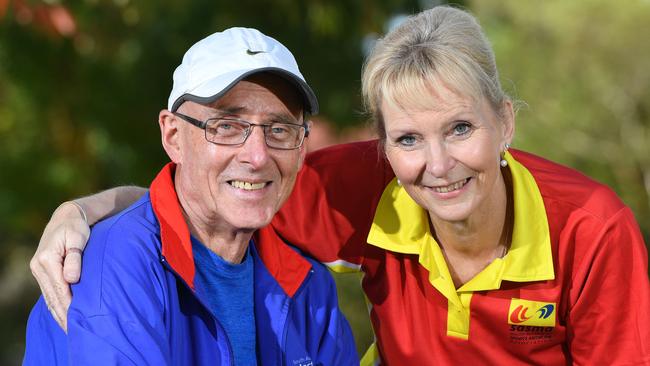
178, 278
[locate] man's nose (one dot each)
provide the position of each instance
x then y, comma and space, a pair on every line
254, 151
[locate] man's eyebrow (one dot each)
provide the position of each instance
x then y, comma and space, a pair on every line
227, 110
274, 117
284, 118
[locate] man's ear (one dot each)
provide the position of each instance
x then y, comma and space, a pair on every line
303, 148
170, 135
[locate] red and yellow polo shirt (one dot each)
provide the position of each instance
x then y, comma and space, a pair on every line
573, 287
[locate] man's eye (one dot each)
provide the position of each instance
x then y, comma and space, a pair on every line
225, 126
279, 129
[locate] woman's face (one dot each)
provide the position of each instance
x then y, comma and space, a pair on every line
447, 156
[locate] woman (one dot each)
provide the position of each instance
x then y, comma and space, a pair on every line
472, 253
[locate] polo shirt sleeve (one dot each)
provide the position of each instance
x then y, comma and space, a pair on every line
329, 213
116, 315
608, 323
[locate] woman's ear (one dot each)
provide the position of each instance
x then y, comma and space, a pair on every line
508, 117
170, 135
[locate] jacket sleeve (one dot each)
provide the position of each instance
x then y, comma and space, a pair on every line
116, 315
329, 213
342, 350
46, 341
317, 326
608, 321
345, 352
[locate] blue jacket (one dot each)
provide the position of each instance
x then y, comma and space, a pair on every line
136, 303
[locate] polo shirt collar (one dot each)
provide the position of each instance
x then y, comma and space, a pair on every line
401, 225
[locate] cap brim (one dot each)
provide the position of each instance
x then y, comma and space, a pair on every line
204, 94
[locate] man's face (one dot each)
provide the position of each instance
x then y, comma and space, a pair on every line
239, 188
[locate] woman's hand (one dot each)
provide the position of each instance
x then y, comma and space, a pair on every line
57, 261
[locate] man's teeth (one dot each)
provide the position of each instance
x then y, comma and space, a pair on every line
247, 186
451, 187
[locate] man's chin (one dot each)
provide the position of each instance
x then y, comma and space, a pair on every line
251, 221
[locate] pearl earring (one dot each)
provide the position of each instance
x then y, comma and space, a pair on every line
399, 183
503, 162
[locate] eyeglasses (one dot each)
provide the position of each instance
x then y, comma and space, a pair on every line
232, 131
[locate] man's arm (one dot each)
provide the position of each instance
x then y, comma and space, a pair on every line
57, 261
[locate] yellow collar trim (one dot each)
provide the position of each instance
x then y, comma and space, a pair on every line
401, 225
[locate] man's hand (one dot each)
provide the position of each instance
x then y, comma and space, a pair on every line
57, 261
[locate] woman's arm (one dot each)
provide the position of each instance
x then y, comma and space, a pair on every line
57, 261
329, 214
610, 296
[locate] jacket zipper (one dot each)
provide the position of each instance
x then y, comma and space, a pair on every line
286, 319
169, 268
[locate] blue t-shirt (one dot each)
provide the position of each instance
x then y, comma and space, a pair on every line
230, 298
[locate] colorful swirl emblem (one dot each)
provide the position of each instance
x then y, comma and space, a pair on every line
528, 312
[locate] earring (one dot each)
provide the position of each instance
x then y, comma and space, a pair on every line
399, 183
503, 162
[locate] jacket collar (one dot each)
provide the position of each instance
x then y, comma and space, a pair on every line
286, 266
401, 225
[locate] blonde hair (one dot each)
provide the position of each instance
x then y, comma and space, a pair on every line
440, 47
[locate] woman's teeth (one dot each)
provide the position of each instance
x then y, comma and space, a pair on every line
451, 187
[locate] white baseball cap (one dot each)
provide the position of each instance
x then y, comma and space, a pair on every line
216, 63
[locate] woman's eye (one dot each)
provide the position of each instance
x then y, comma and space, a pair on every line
461, 129
407, 140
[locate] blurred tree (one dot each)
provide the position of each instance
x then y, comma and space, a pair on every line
582, 69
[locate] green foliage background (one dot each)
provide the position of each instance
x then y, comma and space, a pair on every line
78, 113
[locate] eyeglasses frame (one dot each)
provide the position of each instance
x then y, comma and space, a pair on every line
203, 125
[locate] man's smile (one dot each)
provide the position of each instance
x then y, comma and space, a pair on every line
248, 186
